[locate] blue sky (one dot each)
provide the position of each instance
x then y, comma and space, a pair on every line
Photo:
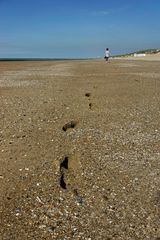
74, 28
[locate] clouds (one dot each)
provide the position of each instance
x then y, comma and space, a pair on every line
110, 11
100, 13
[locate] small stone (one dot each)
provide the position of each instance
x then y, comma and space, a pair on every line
79, 199
42, 226
51, 229
39, 200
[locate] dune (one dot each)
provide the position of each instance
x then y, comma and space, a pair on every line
148, 57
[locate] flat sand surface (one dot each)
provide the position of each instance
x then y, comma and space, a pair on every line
80, 150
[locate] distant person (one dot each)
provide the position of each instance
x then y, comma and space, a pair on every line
107, 54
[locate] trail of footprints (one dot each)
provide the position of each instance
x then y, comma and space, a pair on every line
70, 165
88, 96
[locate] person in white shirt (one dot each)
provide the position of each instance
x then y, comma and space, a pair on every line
107, 54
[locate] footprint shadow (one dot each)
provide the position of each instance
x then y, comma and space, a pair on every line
63, 167
71, 124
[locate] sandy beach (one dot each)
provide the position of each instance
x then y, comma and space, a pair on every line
80, 150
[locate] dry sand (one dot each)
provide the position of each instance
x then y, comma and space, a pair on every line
80, 150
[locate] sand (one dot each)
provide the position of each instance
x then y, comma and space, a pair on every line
79, 150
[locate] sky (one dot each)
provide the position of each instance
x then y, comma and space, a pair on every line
77, 28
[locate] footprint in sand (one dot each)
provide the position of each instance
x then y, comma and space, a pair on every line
70, 172
63, 166
71, 124
87, 94
90, 106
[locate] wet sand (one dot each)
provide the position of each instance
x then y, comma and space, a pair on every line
80, 150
